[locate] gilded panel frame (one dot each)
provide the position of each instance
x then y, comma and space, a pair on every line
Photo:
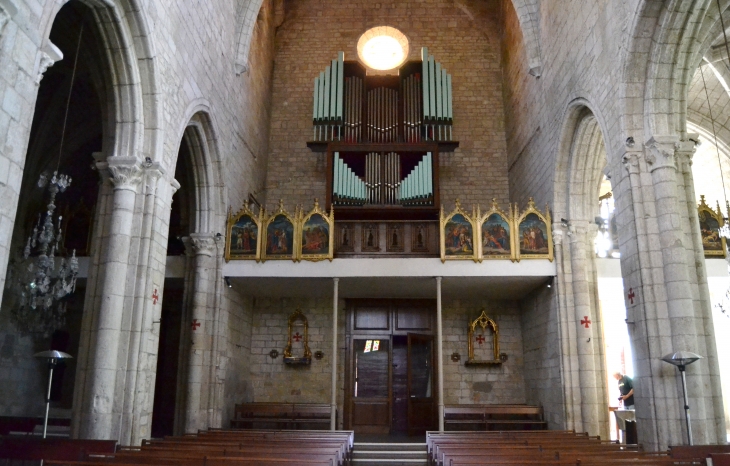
709, 233
533, 237
268, 239
243, 234
483, 321
307, 357
494, 237
305, 236
455, 239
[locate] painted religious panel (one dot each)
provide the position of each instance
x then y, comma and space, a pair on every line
317, 230
710, 223
279, 240
534, 238
243, 238
483, 346
495, 234
457, 235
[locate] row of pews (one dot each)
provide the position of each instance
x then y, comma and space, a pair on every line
511, 448
234, 448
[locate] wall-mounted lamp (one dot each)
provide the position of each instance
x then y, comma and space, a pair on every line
697, 141
565, 223
228, 282
630, 141
550, 282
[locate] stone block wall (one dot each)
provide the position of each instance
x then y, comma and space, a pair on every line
236, 355
467, 48
542, 350
503, 384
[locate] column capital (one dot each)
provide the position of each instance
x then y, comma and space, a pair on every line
125, 173
559, 232
686, 149
630, 161
175, 186
660, 152
49, 55
203, 244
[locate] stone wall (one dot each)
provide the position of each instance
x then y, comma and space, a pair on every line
236, 356
483, 384
467, 48
542, 346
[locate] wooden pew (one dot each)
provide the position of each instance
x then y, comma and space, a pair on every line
35, 448
493, 417
698, 452
720, 459
281, 415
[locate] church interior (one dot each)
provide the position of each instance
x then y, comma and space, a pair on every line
389, 218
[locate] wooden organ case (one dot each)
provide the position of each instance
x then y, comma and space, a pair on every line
382, 135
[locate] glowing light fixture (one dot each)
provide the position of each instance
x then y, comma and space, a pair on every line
382, 48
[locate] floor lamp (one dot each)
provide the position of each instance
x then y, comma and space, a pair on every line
682, 359
53, 358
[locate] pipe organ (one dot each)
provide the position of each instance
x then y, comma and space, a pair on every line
383, 135
413, 106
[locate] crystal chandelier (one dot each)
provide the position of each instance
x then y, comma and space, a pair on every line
43, 280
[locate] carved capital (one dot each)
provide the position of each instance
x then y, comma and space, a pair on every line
685, 151
7, 11
203, 244
188, 243
660, 152
125, 172
152, 173
174, 187
50, 54
630, 160
558, 234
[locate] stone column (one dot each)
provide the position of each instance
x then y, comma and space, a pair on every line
585, 316
200, 328
440, 354
333, 401
100, 415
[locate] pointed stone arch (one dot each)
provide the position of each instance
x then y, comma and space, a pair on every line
528, 14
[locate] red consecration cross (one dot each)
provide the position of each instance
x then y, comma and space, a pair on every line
586, 321
480, 339
195, 325
631, 295
155, 296
296, 336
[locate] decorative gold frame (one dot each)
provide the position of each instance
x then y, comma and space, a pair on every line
702, 210
265, 232
517, 237
329, 220
483, 321
442, 232
307, 358
232, 221
509, 219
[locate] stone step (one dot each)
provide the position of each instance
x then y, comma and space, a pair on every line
390, 454
390, 462
364, 446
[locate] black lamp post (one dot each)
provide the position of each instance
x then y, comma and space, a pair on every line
53, 358
682, 359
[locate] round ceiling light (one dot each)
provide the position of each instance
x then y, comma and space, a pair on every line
383, 48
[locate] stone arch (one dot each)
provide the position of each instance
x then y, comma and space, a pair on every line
248, 10
134, 112
200, 136
528, 14
667, 45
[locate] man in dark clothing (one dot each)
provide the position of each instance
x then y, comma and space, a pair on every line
626, 387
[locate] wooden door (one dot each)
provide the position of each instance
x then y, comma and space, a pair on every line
371, 386
421, 387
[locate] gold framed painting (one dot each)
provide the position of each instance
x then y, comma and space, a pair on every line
457, 235
316, 232
710, 223
280, 231
243, 238
533, 235
495, 234
478, 356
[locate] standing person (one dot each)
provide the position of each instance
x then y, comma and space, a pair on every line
626, 387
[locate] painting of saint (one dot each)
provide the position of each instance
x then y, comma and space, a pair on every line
280, 237
709, 227
459, 237
533, 235
244, 237
496, 236
316, 235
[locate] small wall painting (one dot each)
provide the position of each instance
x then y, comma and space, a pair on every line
457, 235
316, 230
280, 233
495, 234
534, 237
710, 224
243, 239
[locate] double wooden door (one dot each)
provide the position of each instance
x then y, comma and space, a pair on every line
390, 378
